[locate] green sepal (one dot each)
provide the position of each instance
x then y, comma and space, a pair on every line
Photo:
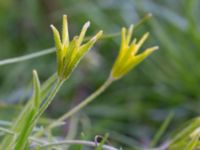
59, 52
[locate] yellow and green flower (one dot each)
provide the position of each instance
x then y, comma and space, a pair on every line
128, 56
69, 53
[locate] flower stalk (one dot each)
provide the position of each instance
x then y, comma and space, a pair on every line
84, 103
77, 142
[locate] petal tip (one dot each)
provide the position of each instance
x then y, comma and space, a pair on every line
86, 25
155, 48
52, 26
64, 16
131, 26
146, 34
100, 32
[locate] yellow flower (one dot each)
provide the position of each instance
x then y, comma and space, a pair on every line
69, 53
128, 57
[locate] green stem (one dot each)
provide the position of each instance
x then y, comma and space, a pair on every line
27, 57
143, 20
83, 103
6, 131
77, 142
161, 130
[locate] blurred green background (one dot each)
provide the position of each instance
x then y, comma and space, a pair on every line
132, 109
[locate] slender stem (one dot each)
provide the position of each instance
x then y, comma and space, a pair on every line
27, 57
77, 142
143, 20
7, 131
83, 103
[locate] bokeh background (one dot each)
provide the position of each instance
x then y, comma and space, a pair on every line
132, 109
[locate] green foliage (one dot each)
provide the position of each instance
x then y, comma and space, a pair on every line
187, 136
132, 110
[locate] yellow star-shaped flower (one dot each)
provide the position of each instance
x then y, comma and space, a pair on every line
128, 58
69, 53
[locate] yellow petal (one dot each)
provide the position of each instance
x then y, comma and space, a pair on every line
59, 52
65, 33
139, 58
147, 52
56, 38
133, 47
86, 47
134, 61
83, 31
123, 38
129, 35
70, 49
141, 41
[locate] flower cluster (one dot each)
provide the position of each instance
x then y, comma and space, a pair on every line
128, 57
69, 53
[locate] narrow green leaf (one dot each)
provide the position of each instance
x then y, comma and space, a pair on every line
7, 131
22, 139
80, 147
192, 145
162, 129
27, 57
183, 134
21, 119
36, 86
